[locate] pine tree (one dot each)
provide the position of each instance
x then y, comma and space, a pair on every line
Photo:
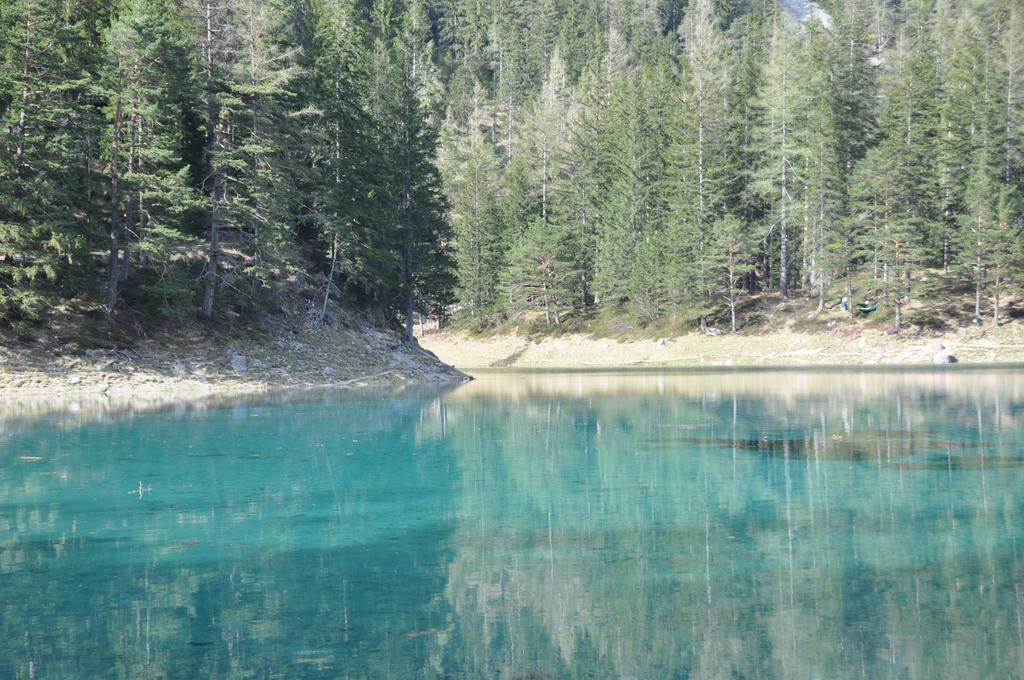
732, 253
480, 246
629, 205
148, 82
547, 133
698, 159
887, 239
542, 272
49, 119
780, 143
962, 110
416, 220
841, 92
910, 127
1005, 262
822, 172
980, 228
579, 192
247, 71
1010, 86
339, 187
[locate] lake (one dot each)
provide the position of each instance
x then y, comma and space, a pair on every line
717, 524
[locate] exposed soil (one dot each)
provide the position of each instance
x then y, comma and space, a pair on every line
846, 347
72, 357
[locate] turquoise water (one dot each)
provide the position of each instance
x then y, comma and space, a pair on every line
638, 525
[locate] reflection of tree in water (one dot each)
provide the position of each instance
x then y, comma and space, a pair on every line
283, 555
737, 537
645, 535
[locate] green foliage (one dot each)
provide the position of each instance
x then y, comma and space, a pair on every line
142, 138
843, 146
659, 159
47, 123
542, 273
481, 246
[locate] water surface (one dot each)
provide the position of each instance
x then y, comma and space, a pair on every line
767, 524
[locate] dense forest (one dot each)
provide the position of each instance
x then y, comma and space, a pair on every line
193, 158
664, 161
542, 160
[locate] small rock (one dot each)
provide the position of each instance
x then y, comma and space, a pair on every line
74, 380
712, 331
239, 363
104, 388
329, 371
944, 358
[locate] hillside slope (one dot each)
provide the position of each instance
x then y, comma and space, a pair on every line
75, 352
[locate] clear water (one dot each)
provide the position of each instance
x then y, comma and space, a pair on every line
758, 525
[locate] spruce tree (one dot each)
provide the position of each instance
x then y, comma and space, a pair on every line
541, 274
48, 127
779, 140
480, 253
339, 186
733, 255
886, 238
698, 159
149, 85
415, 221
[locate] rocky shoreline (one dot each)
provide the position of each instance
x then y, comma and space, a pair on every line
194, 366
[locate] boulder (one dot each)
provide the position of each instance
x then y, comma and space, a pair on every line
943, 357
239, 363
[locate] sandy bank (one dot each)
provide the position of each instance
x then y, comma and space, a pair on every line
863, 348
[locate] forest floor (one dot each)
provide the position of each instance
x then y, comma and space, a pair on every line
773, 334
75, 357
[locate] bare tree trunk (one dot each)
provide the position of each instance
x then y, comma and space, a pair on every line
133, 213
215, 172
410, 298
330, 279
977, 294
213, 252
783, 197
409, 311
547, 306
995, 302
115, 210
544, 187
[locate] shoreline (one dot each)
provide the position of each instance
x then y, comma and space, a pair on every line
192, 368
784, 349
153, 376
